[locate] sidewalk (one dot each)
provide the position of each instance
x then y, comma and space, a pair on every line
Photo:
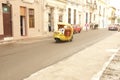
112, 72
28, 39
88, 64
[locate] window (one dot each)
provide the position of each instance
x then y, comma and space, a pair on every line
86, 17
90, 17
31, 18
60, 18
49, 17
99, 10
94, 17
74, 16
69, 15
6, 9
79, 19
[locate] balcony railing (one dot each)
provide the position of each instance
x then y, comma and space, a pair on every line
91, 6
112, 17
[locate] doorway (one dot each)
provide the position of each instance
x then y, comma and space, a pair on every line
22, 21
22, 25
7, 20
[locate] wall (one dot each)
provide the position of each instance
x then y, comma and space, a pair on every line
30, 32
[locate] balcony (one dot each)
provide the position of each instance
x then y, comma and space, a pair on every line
91, 6
63, 1
77, 2
112, 17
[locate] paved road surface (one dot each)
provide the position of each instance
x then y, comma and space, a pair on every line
21, 59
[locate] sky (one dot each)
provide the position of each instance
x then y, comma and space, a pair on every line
115, 3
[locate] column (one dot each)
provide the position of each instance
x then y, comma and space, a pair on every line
55, 18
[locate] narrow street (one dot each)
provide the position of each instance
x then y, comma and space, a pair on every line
20, 59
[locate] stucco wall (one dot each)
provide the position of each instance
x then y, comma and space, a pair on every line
1, 20
38, 17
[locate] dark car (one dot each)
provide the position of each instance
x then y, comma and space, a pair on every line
77, 29
113, 27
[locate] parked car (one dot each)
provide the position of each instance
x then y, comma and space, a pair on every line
76, 29
113, 27
93, 26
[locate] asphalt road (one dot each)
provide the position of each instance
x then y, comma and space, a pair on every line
20, 59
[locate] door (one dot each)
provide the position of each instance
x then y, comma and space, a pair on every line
22, 25
7, 20
23, 21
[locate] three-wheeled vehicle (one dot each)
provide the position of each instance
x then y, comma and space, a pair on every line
64, 32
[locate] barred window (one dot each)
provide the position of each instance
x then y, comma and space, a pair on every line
74, 16
31, 18
69, 15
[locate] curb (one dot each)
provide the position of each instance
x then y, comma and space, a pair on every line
100, 73
11, 40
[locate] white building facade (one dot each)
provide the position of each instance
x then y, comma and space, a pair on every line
74, 12
54, 12
68, 11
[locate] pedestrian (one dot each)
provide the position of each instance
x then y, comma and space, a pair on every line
118, 26
86, 26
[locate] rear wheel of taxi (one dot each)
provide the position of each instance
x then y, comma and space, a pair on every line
57, 40
71, 39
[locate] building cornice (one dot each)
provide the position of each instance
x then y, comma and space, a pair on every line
63, 1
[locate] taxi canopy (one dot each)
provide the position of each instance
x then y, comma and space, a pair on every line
64, 25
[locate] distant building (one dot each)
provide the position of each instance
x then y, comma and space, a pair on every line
102, 18
111, 15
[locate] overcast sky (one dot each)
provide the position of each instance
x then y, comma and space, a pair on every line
115, 3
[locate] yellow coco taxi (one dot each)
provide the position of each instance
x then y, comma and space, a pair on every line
64, 32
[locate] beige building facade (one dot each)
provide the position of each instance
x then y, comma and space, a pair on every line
31, 18
20, 18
